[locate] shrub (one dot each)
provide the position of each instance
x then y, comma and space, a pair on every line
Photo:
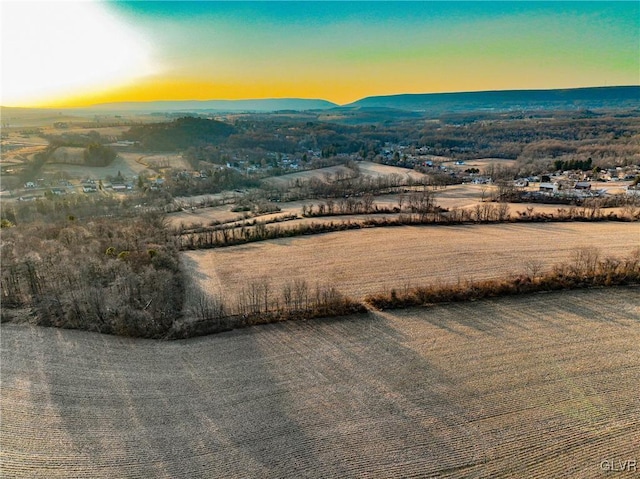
585, 269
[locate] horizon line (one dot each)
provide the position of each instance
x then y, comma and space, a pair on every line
386, 95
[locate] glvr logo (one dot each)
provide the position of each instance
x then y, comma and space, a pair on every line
618, 465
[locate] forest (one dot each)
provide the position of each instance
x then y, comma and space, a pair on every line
608, 139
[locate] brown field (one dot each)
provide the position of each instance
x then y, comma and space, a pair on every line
460, 196
223, 213
369, 168
19, 118
159, 161
540, 386
126, 163
465, 196
361, 262
203, 216
16, 148
105, 131
320, 173
480, 163
77, 121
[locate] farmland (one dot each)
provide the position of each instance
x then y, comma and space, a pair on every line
496, 388
466, 197
319, 174
368, 261
203, 183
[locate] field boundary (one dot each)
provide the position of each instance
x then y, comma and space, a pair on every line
563, 277
586, 270
233, 235
419, 297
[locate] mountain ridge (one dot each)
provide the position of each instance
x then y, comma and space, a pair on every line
265, 104
500, 100
587, 97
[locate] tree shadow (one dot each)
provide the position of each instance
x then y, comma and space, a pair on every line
345, 397
301, 399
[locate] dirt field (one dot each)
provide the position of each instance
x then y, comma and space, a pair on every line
125, 163
369, 168
459, 196
543, 386
480, 163
320, 173
465, 196
105, 131
164, 160
204, 216
16, 147
361, 262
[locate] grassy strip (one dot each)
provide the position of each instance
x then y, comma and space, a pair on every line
587, 270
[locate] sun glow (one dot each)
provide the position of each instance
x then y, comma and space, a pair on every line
57, 50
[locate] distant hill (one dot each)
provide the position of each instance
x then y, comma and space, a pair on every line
266, 105
374, 108
575, 98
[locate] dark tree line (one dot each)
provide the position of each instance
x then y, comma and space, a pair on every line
179, 134
584, 165
96, 154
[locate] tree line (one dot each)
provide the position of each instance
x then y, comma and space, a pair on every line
422, 212
587, 268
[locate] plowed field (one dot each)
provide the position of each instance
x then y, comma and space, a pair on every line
367, 261
540, 386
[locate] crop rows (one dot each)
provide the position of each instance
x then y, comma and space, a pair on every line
536, 386
362, 262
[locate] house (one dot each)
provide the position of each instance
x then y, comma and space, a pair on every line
157, 183
633, 190
549, 187
582, 185
481, 181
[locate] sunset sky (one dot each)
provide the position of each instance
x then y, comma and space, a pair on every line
83, 53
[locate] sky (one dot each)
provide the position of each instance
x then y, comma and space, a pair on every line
75, 53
